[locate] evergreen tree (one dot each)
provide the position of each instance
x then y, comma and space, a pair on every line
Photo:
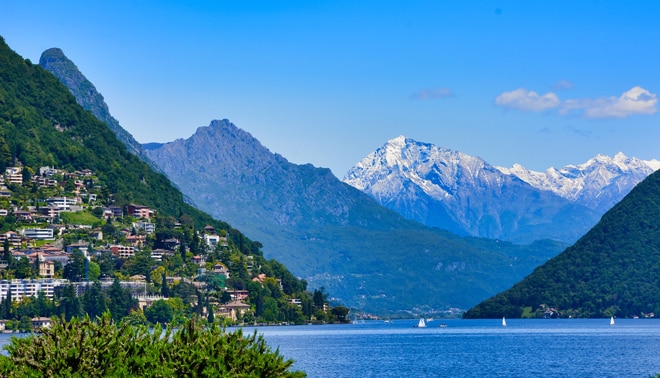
94, 300
211, 317
37, 264
7, 253
182, 249
76, 267
121, 301
164, 289
69, 303
43, 306
6, 306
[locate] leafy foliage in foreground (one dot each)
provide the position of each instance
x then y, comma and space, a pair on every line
102, 348
611, 271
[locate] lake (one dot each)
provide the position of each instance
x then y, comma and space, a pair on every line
471, 348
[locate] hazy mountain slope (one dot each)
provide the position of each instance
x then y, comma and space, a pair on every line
331, 233
464, 194
54, 61
610, 271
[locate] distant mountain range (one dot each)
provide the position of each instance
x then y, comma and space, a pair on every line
610, 271
371, 258
445, 188
332, 234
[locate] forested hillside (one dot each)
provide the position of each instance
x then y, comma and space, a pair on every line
611, 271
41, 125
42, 128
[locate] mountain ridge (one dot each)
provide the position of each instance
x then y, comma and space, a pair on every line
446, 188
332, 234
585, 182
56, 62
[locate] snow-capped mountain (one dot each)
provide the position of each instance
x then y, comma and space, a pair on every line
449, 189
598, 184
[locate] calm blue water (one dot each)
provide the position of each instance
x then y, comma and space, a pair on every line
473, 348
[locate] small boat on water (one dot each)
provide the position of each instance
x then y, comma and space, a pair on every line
420, 324
503, 322
612, 320
443, 325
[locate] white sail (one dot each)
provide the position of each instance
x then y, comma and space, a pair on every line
503, 322
612, 320
421, 324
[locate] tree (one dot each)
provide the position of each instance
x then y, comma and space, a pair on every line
211, 317
226, 297
182, 249
69, 303
25, 324
22, 268
5, 154
320, 297
341, 313
75, 269
94, 300
43, 306
164, 289
159, 312
121, 301
106, 262
7, 256
6, 305
140, 263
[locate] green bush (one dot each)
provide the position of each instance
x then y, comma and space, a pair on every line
102, 348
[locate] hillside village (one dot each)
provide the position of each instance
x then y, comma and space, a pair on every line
65, 238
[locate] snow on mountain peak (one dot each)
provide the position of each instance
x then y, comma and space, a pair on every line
439, 172
587, 181
384, 172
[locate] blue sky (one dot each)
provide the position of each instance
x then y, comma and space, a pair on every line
327, 82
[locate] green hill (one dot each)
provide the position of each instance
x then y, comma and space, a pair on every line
611, 271
42, 125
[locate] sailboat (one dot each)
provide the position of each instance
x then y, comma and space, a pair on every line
503, 322
612, 320
421, 324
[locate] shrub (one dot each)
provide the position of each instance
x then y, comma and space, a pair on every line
102, 348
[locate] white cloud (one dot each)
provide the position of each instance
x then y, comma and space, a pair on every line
635, 101
433, 93
563, 84
527, 101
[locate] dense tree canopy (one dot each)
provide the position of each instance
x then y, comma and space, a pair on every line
611, 271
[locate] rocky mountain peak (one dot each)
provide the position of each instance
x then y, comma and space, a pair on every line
56, 62
447, 188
